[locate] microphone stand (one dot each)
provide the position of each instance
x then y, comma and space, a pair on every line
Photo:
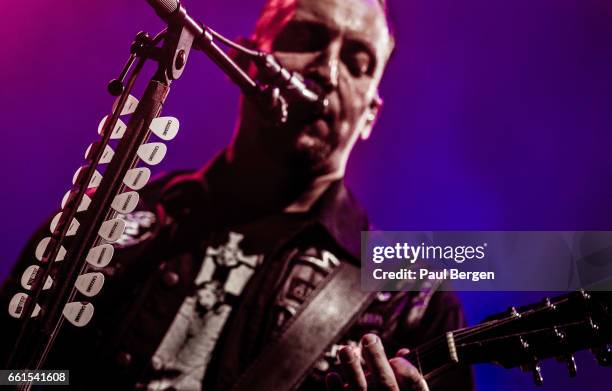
181, 35
42, 331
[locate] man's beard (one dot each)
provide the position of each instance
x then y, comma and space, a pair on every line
304, 152
312, 154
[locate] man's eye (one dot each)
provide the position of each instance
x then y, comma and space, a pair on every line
359, 64
358, 61
299, 38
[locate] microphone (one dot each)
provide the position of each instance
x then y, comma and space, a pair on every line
285, 90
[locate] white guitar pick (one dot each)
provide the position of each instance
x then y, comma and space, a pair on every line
96, 178
152, 153
90, 284
29, 276
42, 246
78, 313
100, 256
118, 130
85, 201
17, 305
136, 178
129, 107
125, 202
74, 225
106, 157
111, 230
165, 128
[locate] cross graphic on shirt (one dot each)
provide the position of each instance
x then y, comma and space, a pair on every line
229, 256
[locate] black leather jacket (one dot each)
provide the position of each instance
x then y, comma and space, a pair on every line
156, 264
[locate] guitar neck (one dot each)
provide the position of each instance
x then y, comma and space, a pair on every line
435, 356
526, 335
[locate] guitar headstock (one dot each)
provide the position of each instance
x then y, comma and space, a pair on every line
522, 337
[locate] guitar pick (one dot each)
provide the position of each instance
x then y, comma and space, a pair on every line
78, 313
42, 246
95, 180
111, 230
106, 157
165, 128
74, 225
90, 284
17, 305
125, 202
136, 178
100, 256
129, 107
152, 153
29, 276
118, 130
85, 201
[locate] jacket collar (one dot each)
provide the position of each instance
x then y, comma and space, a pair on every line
342, 216
337, 210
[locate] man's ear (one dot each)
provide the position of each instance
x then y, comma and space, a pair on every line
372, 116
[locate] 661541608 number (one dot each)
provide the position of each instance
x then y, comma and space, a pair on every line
34, 377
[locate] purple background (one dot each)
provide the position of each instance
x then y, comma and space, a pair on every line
497, 116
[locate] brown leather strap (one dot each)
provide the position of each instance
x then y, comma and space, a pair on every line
321, 321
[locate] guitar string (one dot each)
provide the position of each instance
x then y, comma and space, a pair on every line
468, 332
577, 323
423, 356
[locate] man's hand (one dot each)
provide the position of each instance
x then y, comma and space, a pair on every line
383, 375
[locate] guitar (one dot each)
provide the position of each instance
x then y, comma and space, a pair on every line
524, 336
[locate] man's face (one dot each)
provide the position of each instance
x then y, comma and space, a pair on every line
342, 45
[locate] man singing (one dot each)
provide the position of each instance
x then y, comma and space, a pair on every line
214, 263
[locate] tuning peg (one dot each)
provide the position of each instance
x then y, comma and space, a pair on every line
78, 313
42, 246
548, 304
152, 153
129, 107
100, 256
118, 130
85, 201
74, 225
29, 277
513, 312
125, 202
106, 157
111, 230
559, 334
96, 178
165, 128
90, 284
136, 178
593, 326
18, 303
571, 365
584, 295
537, 374
604, 355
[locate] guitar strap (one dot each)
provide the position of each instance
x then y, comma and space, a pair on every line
321, 321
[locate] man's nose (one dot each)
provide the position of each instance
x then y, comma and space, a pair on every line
324, 71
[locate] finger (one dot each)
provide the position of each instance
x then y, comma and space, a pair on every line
357, 351
333, 381
376, 359
402, 352
353, 369
407, 376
